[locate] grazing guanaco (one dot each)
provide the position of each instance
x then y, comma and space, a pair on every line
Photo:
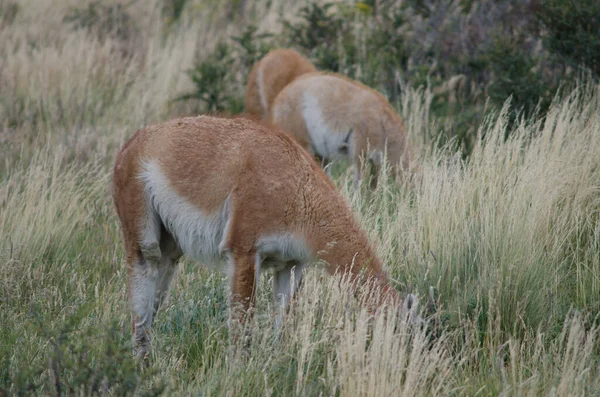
335, 117
268, 77
217, 188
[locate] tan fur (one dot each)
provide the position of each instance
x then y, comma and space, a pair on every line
272, 185
270, 75
347, 109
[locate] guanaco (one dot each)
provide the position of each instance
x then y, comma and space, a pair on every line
334, 117
230, 189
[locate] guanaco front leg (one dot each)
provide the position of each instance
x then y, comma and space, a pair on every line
285, 284
243, 285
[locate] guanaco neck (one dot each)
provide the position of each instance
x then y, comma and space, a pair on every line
344, 246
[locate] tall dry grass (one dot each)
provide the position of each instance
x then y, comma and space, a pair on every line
509, 240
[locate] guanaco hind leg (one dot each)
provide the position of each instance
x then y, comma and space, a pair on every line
170, 254
143, 277
149, 280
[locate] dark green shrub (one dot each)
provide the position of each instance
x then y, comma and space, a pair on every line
573, 31
210, 78
387, 50
514, 76
318, 26
319, 33
219, 80
251, 47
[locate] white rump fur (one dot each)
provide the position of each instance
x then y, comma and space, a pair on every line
198, 235
326, 143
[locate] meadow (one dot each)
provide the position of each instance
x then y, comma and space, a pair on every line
507, 238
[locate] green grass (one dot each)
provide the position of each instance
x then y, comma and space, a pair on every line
508, 239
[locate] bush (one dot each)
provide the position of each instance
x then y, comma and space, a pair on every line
573, 32
210, 78
319, 26
251, 47
514, 76
324, 34
220, 79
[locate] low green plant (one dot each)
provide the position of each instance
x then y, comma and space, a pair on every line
90, 362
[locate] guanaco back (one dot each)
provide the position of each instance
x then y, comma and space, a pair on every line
268, 77
235, 190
